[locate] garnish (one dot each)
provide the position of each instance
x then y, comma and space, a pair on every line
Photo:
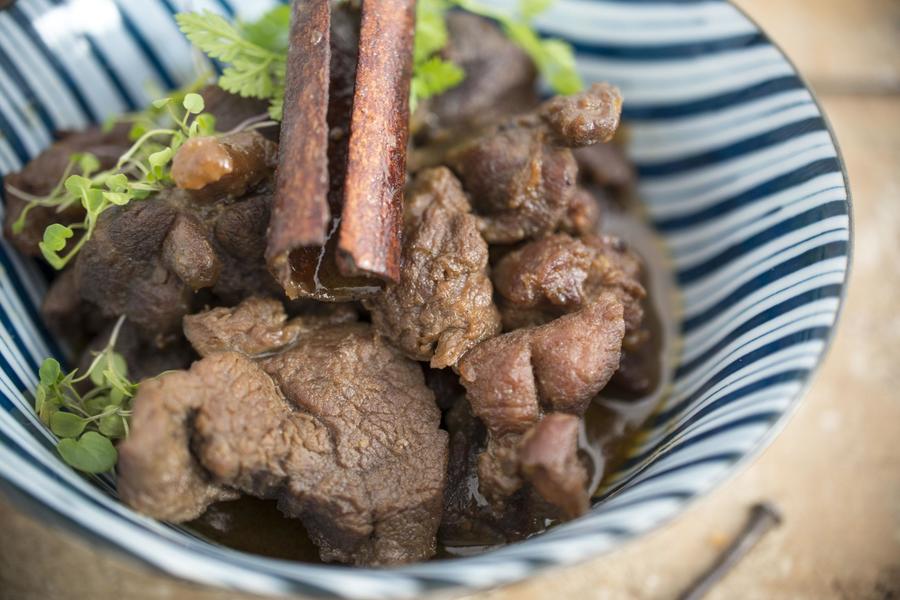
255, 54
142, 170
432, 75
87, 423
553, 57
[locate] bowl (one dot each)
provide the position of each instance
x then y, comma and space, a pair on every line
740, 180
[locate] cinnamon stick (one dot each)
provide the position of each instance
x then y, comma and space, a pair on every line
300, 215
369, 242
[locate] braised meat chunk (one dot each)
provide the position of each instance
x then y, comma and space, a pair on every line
559, 366
558, 274
545, 456
146, 260
443, 305
522, 174
584, 119
513, 379
354, 452
255, 326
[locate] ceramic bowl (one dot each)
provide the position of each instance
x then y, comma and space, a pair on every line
739, 178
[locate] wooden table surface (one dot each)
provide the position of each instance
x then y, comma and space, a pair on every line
834, 471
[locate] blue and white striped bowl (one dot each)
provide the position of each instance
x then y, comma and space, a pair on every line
739, 176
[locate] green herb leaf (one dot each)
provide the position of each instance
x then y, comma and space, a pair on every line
112, 426
96, 405
431, 29
87, 163
66, 425
253, 69
434, 77
270, 31
529, 9
161, 158
91, 453
204, 124
55, 237
50, 372
77, 184
193, 103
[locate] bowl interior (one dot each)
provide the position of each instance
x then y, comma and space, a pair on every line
740, 180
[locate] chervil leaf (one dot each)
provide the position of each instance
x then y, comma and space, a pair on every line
255, 69
431, 29
271, 30
435, 76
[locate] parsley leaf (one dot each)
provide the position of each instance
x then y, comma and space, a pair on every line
255, 56
434, 76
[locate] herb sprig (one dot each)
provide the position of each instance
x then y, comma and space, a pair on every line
140, 171
255, 55
432, 74
87, 422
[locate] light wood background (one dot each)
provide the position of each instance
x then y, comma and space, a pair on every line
834, 471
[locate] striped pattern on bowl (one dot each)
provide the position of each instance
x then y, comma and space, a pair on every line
739, 176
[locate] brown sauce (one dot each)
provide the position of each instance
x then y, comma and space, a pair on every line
256, 526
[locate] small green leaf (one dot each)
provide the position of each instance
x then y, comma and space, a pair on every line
92, 200
116, 183
96, 405
204, 124
55, 237
117, 364
112, 426
161, 158
177, 141
109, 123
66, 424
137, 130
48, 409
91, 453
116, 396
88, 163
160, 102
50, 372
193, 103
117, 198
76, 184
529, 9
271, 30
40, 397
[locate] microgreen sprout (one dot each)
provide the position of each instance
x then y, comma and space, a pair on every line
87, 421
140, 171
